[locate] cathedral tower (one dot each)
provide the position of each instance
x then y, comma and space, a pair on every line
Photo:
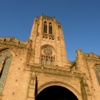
48, 42
38, 69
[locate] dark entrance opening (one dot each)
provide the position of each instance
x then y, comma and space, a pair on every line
56, 93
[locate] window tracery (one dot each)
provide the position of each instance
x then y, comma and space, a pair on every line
47, 51
42, 61
47, 56
47, 32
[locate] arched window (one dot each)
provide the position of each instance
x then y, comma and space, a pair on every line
50, 28
47, 55
47, 61
52, 62
42, 61
5, 61
45, 27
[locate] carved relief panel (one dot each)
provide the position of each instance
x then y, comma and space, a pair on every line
5, 61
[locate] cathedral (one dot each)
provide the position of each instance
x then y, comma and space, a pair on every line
38, 69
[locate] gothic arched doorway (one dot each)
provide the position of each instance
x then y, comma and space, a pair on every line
56, 93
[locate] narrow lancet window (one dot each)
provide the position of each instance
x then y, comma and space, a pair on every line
50, 28
47, 62
42, 61
45, 27
5, 62
52, 62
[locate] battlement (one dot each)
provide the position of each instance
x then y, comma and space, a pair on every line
47, 18
11, 41
92, 56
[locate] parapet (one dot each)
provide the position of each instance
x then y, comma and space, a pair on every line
11, 41
91, 56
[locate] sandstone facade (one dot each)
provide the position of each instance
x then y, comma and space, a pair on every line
27, 68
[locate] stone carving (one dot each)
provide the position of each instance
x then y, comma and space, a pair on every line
47, 51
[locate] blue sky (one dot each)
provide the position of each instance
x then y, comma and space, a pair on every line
80, 20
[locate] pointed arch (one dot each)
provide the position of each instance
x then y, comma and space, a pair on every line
63, 84
5, 62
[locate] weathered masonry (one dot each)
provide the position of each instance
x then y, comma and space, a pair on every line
38, 69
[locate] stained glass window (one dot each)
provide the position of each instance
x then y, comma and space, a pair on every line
5, 61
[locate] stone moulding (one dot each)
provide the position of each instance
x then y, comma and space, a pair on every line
62, 84
65, 73
56, 71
